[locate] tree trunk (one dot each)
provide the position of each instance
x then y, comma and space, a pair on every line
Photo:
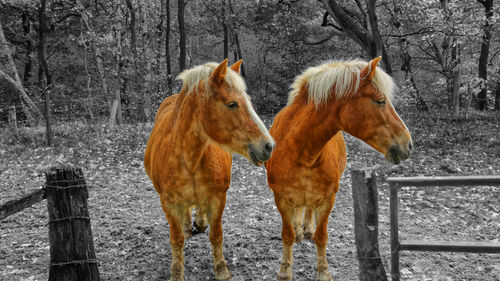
497, 93
45, 69
115, 116
236, 40
456, 91
159, 34
167, 46
181, 5
225, 30
133, 37
28, 64
483, 56
455, 74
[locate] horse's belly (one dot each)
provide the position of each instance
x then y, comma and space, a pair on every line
307, 189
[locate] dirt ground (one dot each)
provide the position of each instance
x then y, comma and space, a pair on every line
131, 234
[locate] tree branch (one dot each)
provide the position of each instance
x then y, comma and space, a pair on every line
422, 30
330, 36
326, 23
357, 32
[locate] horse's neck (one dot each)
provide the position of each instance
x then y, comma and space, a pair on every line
190, 139
314, 127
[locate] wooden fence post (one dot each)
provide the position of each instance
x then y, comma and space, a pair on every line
72, 255
13, 119
364, 194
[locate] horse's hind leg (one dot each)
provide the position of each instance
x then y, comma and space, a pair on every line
287, 236
217, 204
321, 239
308, 224
175, 217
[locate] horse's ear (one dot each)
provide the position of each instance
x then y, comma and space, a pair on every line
369, 71
219, 75
236, 66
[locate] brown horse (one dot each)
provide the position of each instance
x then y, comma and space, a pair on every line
188, 155
310, 155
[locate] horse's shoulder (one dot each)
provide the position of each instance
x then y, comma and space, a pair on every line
217, 155
216, 162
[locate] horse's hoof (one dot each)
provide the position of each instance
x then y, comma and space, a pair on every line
324, 276
222, 272
285, 272
199, 228
177, 272
284, 276
308, 236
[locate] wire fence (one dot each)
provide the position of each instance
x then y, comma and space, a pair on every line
67, 109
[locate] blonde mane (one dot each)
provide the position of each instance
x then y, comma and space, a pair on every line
192, 77
342, 76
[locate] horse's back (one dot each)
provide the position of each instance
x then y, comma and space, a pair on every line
166, 105
161, 122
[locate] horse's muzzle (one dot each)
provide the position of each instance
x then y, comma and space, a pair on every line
262, 153
398, 153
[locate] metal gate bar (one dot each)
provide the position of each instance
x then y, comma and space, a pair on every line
418, 245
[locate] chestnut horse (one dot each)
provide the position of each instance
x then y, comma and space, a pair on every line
188, 155
310, 155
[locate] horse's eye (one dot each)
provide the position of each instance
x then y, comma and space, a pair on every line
380, 102
232, 105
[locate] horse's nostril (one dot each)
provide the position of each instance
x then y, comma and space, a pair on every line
410, 146
268, 147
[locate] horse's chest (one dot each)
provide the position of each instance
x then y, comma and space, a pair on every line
193, 189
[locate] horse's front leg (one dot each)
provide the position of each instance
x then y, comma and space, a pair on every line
217, 203
288, 213
175, 215
321, 238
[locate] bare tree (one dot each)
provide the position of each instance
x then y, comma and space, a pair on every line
360, 25
181, 6
97, 51
115, 116
406, 60
497, 93
236, 40
225, 29
167, 45
10, 76
44, 69
28, 64
483, 56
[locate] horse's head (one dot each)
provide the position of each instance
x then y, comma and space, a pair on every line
370, 116
228, 117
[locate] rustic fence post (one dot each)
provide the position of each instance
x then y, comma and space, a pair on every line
13, 119
364, 194
72, 255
